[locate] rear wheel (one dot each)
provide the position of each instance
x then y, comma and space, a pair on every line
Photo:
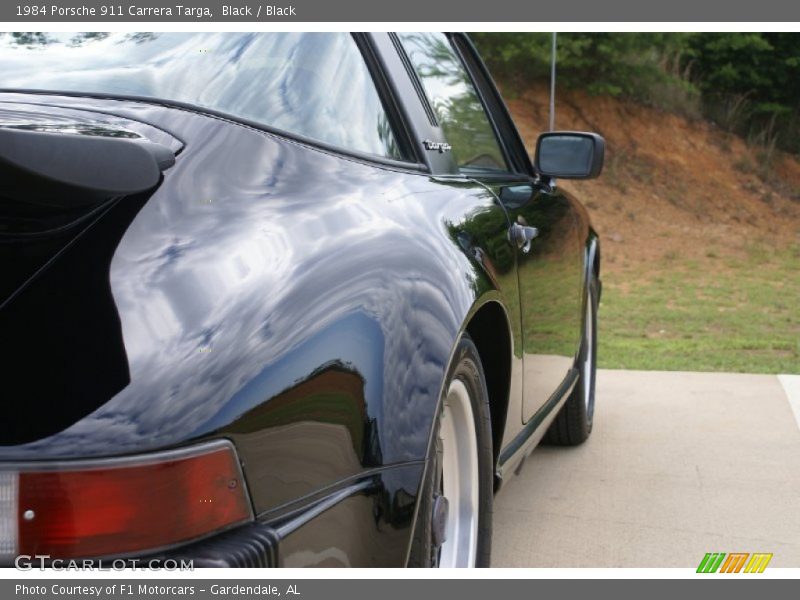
454, 519
573, 424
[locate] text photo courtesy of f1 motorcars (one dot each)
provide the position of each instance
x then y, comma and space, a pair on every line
285, 299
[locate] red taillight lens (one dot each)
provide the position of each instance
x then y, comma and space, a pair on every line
133, 506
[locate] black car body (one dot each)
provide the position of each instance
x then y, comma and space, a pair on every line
292, 299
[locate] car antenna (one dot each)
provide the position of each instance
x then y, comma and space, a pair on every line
553, 84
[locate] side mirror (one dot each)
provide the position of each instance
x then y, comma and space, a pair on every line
569, 155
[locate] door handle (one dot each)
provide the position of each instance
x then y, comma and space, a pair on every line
522, 236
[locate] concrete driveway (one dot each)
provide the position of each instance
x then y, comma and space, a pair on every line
678, 464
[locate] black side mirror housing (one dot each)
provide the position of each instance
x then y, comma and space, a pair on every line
569, 155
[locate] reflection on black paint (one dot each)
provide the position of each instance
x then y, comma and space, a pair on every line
28, 38
77, 129
377, 523
333, 394
485, 236
550, 277
332, 405
312, 84
259, 263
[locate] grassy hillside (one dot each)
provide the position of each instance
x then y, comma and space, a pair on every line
700, 233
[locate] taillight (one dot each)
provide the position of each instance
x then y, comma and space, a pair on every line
117, 507
8, 517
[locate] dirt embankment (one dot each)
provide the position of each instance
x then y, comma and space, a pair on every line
672, 188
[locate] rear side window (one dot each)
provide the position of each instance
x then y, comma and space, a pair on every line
311, 84
456, 103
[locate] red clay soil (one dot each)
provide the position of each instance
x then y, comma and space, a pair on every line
672, 188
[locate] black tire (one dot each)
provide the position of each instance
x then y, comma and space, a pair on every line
573, 424
466, 366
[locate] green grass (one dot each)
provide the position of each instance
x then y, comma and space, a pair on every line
723, 315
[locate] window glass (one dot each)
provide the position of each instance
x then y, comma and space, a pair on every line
312, 84
455, 101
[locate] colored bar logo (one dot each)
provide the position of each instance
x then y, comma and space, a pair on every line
734, 562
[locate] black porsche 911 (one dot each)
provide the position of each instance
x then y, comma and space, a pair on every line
279, 299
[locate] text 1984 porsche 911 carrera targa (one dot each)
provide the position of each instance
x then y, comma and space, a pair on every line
279, 298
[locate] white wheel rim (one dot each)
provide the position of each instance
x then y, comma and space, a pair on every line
459, 463
587, 361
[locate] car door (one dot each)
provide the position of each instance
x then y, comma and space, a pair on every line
486, 148
550, 251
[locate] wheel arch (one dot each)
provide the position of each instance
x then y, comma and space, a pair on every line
593, 259
490, 330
